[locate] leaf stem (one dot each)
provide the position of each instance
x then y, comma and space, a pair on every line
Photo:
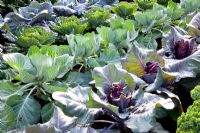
25, 87
81, 68
104, 121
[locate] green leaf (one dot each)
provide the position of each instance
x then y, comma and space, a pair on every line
97, 16
44, 65
8, 89
190, 5
7, 118
69, 25
83, 46
125, 9
150, 18
174, 10
34, 36
74, 104
50, 73
50, 88
65, 62
96, 102
78, 78
47, 112
17, 61
109, 55
147, 41
26, 77
147, 108
59, 123
26, 109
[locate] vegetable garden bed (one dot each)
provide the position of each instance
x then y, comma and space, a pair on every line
99, 66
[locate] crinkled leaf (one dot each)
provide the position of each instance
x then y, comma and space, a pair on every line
34, 36
35, 12
61, 10
69, 25
124, 9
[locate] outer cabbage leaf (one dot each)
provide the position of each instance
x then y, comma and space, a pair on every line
194, 26
190, 5
150, 18
146, 109
57, 124
39, 67
7, 116
187, 67
34, 13
73, 103
174, 10
26, 110
8, 89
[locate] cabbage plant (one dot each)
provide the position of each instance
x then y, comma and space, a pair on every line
119, 97
34, 13
69, 25
181, 55
97, 16
125, 9
36, 76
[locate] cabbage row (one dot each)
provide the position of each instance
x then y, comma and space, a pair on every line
97, 66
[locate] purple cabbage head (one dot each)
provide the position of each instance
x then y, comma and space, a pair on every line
183, 48
118, 96
151, 67
177, 46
